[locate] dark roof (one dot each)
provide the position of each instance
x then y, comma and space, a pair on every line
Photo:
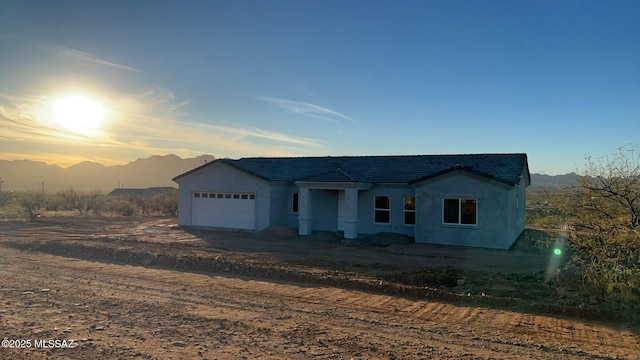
143, 192
506, 168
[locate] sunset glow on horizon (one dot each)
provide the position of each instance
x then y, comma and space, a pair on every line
331, 78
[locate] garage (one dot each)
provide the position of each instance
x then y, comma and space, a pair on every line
224, 209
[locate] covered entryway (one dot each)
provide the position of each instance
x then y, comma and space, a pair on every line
347, 205
224, 209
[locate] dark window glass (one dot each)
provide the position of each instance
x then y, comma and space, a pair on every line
382, 202
468, 211
451, 211
409, 217
197, 195
409, 210
205, 195
219, 196
382, 213
382, 216
245, 196
294, 203
236, 196
227, 196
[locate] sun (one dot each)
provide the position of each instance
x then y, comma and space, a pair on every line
79, 114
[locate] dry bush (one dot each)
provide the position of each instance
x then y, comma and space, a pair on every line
605, 241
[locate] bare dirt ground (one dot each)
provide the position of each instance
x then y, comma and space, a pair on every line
145, 289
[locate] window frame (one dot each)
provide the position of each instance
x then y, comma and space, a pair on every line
377, 209
460, 211
405, 211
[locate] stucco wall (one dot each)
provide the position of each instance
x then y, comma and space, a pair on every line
223, 178
517, 209
492, 229
396, 194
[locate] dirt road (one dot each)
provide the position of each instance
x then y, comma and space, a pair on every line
115, 310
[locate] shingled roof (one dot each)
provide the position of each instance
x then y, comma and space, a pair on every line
506, 168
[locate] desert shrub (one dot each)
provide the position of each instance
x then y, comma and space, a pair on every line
83, 202
165, 203
604, 240
32, 203
121, 206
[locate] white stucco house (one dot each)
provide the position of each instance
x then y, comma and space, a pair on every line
471, 200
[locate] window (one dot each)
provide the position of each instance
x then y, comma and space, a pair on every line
460, 211
294, 203
227, 196
205, 195
252, 196
196, 195
236, 196
409, 210
219, 196
382, 209
245, 196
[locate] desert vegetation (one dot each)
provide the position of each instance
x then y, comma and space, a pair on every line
596, 222
31, 205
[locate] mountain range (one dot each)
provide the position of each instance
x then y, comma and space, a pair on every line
21, 175
154, 171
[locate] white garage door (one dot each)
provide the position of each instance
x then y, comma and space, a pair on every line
228, 210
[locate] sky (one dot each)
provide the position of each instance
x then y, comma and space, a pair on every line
558, 80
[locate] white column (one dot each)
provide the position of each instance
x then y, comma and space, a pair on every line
304, 211
350, 213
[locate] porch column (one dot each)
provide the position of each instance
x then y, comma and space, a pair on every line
350, 213
304, 211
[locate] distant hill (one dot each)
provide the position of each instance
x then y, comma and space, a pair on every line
154, 171
553, 182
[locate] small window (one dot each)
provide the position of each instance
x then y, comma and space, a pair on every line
219, 196
251, 196
382, 210
409, 210
196, 195
460, 211
236, 196
205, 195
294, 203
227, 196
212, 196
245, 196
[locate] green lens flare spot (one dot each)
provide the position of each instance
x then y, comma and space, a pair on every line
557, 252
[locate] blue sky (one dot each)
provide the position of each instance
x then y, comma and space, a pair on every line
556, 80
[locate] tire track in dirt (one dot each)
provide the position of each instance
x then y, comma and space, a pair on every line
302, 320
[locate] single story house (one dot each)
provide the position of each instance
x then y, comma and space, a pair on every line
470, 200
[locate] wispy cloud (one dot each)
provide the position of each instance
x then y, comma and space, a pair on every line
306, 109
65, 53
77, 55
148, 122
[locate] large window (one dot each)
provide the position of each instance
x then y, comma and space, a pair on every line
294, 203
409, 210
460, 211
382, 209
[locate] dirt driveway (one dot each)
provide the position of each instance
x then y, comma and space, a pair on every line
143, 289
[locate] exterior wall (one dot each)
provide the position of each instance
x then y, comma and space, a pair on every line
396, 194
280, 205
492, 229
324, 205
517, 207
223, 178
